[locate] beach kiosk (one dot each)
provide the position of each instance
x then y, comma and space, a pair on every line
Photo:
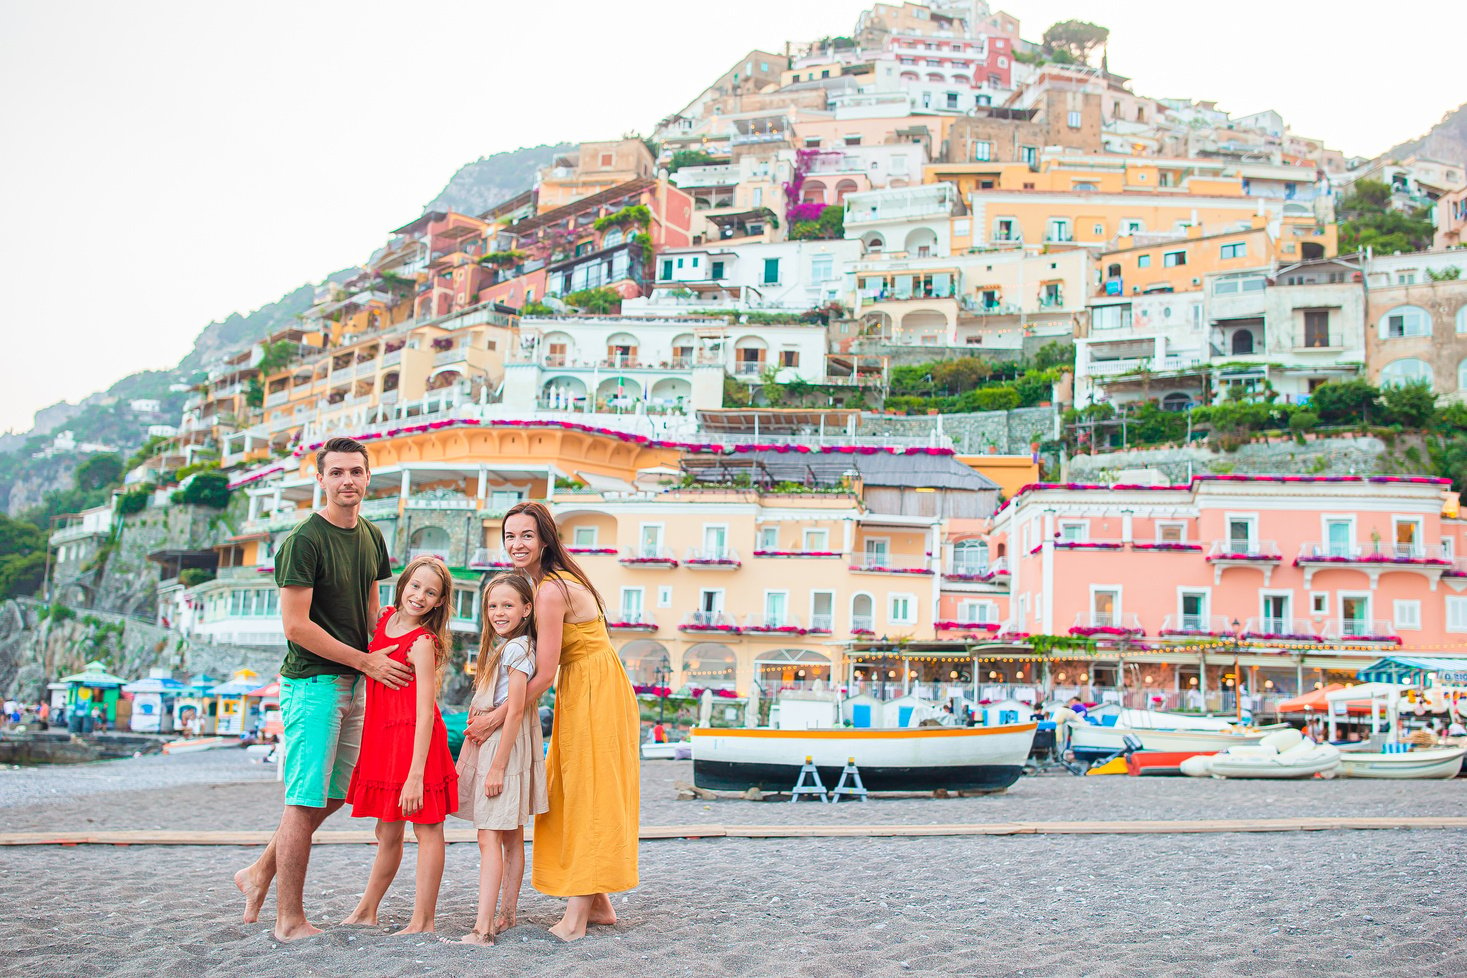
232, 706
269, 707
92, 688
193, 708
152, 701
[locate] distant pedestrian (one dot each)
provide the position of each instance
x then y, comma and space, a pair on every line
659, 733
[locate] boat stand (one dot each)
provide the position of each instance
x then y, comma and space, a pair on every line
855, 789
817, 789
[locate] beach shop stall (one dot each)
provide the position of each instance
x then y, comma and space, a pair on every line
234, 711
152, 702
193, 708
268, 697
94, 688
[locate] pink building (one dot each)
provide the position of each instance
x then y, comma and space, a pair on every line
1300, 580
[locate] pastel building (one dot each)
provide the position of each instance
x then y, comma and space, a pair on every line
1416, 329
782, 276
1299, 579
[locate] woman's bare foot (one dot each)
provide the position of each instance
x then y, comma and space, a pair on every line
361, 915
254, 894
295, 932
477, 937
563, 931
601, 911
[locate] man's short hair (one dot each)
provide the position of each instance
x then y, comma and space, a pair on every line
341, 444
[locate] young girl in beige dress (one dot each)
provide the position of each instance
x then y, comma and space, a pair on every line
502, 782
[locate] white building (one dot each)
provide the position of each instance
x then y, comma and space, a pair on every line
783, 276
909, 222
1144, 347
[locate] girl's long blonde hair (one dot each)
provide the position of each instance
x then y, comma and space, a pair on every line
435, 621
491, 646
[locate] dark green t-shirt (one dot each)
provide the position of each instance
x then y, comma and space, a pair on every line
342, 567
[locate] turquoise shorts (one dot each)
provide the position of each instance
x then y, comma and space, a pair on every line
322, 717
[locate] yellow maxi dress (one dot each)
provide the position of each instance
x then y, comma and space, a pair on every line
587, 842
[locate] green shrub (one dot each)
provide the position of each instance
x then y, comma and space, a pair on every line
194, 576
134, 500
205, 489
997, 398
1301, 421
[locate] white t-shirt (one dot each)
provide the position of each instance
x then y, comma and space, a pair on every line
516, 655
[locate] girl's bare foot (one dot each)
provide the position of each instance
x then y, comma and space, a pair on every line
361, 916
477, 937
503, 921
601, 911
416, 928
254, 894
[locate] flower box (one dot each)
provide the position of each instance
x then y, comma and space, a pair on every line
1371, 559
1189, 633
590, 550
692, 626
668, 562
955, 576
1112, 630
1169, 547
796, 553
712, 562
863, 631
1088, 545
696, 691
1281, 637
776, 629
660, 691
947, 626
633, 626
880, 569
1244, 556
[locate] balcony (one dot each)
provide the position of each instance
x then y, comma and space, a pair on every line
877, 563
1380, 558
796, 553
1136, 365
775, 624
1107, 624
1182, 626
375, 509
1270, 628
821, 624
709, 621
444, 357
714, 558
651, 558
748, 368
490, 558
276, 399
965, 569
1371, 630
717, 175
973, 305
392, 359
1051, 301
446, 501
631, 621
416, 552
998, 571
863, 625
1263, 554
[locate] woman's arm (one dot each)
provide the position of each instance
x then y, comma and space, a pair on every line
550, 611
424, 664
514, 710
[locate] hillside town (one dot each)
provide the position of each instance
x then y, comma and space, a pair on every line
876, 367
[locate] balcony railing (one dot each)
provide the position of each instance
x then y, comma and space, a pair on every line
1361, 630
1250, 550
490, 558
626, 620
966, 568
978, 307
1195, 625
716, 558
648, 557
709, 621
443, 553
1106, 623
1051, 301
877, 563
1276, 628
999, 569
748, 368
822, 624
276, 399
783, 624
442, 502
1376, 553
863, 624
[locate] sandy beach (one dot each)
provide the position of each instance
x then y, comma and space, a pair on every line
1335, 903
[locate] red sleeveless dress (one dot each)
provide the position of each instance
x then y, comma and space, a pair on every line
387, 745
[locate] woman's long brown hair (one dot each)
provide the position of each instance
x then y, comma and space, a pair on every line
491, 646
554, 557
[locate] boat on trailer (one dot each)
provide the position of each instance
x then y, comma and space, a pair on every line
927, 758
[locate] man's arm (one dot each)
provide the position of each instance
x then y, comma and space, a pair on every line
295, 612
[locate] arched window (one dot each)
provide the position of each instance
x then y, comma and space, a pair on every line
1242, 341
1176, 402
1113, 270
1407, 370
1404, 321
612, 238
970, 557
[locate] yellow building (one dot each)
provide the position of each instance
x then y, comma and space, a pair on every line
590, 169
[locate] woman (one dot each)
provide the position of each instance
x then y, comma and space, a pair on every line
586, 844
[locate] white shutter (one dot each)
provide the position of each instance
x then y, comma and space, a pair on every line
1457, 614
1408, 614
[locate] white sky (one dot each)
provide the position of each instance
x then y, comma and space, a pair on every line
163, 164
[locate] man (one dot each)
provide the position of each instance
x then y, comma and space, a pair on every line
327, 569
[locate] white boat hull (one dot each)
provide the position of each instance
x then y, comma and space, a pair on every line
1265, 762
1087, 739
201, 743
1435, 762
898, 759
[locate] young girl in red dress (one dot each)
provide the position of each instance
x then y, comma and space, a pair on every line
405, 772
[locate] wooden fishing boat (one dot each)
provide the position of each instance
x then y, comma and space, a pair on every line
898, 759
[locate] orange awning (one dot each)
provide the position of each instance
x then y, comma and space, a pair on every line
1314, 702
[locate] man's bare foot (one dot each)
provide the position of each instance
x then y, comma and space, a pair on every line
295, 932
477, 937
416, 928
254, 894
503, 921
563, 931
361, 916
601, 911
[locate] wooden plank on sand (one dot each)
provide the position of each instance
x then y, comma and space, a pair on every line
223, 837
